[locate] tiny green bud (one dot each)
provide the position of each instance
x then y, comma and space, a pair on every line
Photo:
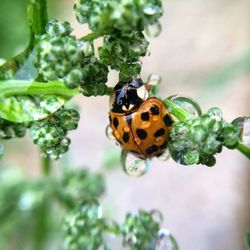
73, 78
191, 157
55, 28
209, 161
215, 112
229, 135
129, 70
198, 134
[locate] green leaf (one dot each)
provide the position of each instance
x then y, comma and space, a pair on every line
27, 108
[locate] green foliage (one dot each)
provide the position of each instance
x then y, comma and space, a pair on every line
10, 130
13, 27
85, 228
34, 87
50, 134
61, 56
121, 48
78, 185
127, 15
140, 232
29, 108
22, 200
196, 140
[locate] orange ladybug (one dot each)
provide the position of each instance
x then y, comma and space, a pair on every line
140, 124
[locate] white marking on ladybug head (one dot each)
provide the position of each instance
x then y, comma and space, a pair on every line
142, 93
124, 108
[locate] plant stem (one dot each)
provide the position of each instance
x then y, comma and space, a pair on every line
41, 223
37, 18
243, 149
180, 113
19, 87
91, 37
45, 165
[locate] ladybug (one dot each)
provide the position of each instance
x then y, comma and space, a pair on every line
140, 124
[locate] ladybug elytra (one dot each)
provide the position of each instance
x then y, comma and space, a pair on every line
140, 124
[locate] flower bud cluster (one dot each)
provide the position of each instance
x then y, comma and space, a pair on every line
50, 134
62, 57
198, 140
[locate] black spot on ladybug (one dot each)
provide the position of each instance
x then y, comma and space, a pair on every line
142, 134
110, 120
167, 120
154, 110
125, 137
159, 132
145, 116
115, 122
164, 145
152, 149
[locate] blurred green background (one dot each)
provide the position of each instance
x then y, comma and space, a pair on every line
202, 52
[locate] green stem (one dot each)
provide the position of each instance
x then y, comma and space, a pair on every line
45, 165
20, 87
91, 37
37, 18
180, 113
243, 149
41, 223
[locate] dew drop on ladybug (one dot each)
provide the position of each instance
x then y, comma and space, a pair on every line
140, 124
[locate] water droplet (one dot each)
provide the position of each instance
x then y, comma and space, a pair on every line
166, 241
153, 30
164, 156
148, 53
154, 79
243, 125
134, 166
152, 10
157, 216
86, 47
109, 133
188, 104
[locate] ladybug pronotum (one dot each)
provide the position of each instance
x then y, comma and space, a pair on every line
140, 124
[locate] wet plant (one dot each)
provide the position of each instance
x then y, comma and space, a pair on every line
35, 88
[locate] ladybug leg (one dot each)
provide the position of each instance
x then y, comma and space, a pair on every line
148, 87
164, 156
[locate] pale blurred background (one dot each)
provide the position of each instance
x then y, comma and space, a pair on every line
203, 52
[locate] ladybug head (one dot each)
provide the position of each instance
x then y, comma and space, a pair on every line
128, 96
